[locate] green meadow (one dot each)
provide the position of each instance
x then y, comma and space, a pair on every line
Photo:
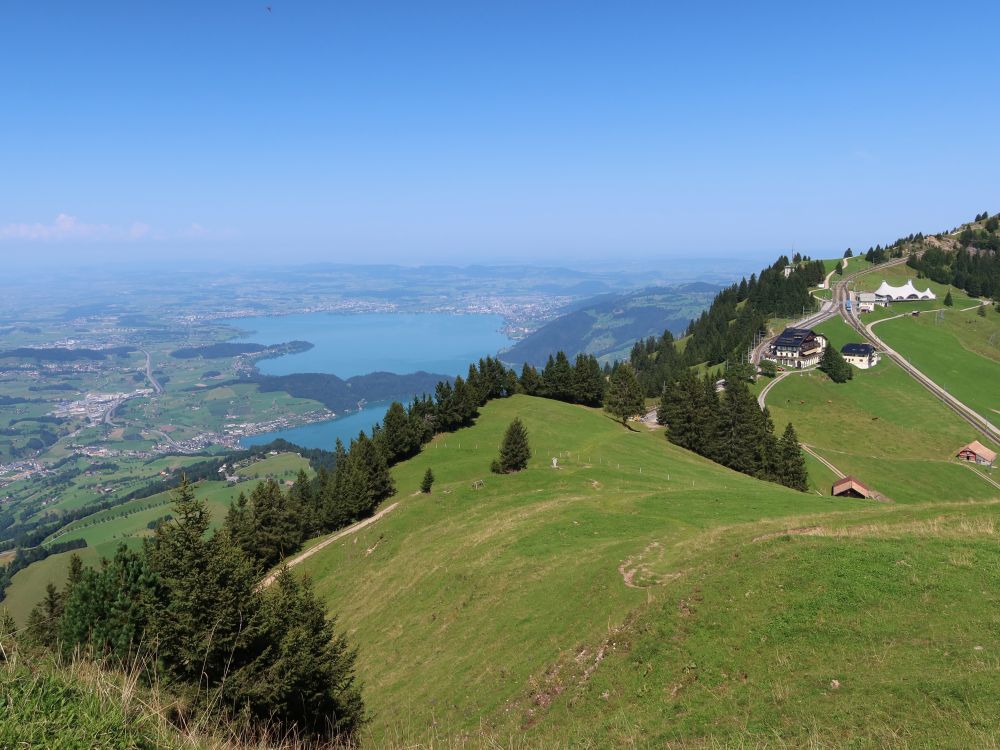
624, 597
957, 349
882, 427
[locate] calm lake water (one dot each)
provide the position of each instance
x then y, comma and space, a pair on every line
324, 434
348, 345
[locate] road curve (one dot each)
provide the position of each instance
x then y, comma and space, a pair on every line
829, 308
271, 577
762, 396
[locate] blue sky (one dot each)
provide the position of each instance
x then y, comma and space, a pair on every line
426, 132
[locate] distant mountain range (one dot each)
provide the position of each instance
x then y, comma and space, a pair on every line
607, 325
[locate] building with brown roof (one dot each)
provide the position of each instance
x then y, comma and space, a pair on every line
977, 453
851, 487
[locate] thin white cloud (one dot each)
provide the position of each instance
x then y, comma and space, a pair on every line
67, 227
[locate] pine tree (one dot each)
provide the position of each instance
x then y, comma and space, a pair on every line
303, 673
239, 522
275, 526
421, 416
624, 398
108, 608
529, 382
738, 430
7, 630
588, 381
948, 301
206, 602
792, 467
302, 495
557, 378
396, 439
328, 492
834, 365
981, 312
514, 451
43, 620
427, 481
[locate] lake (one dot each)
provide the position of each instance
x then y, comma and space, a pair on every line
324, 434
348, 345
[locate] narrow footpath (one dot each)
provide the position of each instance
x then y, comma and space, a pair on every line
271, 577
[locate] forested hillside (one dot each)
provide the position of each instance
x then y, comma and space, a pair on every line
974, 266
727, 328
606, 326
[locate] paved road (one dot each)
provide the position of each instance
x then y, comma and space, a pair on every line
978, 421
762, 396
271, 577
149, 373
829, 308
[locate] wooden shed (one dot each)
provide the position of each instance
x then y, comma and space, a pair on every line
977, 453
851, 487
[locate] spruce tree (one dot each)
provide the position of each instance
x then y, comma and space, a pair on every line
108, 608
529, 382
427, 481
302, 676
557, 378
624, 398
948, 301
588, 381
834, 365
43, 620
396, 438
792, 467
514, 450
204, 616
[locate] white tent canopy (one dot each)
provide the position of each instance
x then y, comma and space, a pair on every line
905, 292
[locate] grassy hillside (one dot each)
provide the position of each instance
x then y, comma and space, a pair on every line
70, 705
957, 349
882, 427
598, 606
75, 707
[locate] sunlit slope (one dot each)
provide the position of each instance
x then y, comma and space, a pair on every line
847, 634
883, 427
957, 349
461, 599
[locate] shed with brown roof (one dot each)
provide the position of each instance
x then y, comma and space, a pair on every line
851, 487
